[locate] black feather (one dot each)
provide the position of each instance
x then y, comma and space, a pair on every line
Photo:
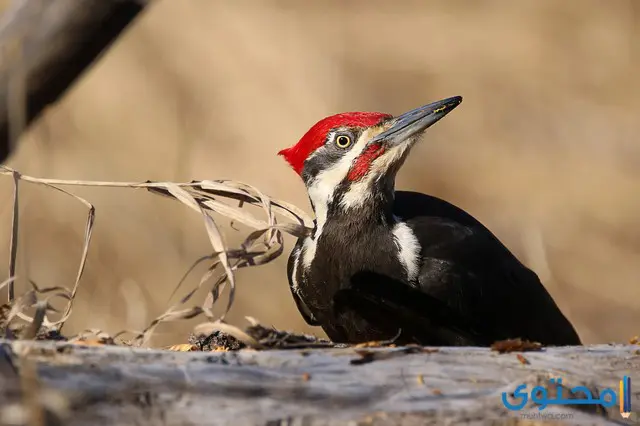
471, 290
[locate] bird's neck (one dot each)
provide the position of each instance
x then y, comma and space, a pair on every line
358, 209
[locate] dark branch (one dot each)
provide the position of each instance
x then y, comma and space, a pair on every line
45, 45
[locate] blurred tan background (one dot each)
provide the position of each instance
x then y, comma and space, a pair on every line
544, 149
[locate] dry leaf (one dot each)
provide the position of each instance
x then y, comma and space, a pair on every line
184, 347
515, 345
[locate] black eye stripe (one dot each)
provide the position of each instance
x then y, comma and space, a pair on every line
330, 153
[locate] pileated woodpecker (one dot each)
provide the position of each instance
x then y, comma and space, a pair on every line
382, 263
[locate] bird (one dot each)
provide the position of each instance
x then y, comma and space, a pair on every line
385, 264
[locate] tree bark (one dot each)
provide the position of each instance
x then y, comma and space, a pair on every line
112, 385
45, 45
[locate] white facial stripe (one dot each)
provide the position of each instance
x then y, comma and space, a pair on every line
294, 272
309, 252
409, 249
321, 189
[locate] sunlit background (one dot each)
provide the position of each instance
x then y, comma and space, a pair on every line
544, 149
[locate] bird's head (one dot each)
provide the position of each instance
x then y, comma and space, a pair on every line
349, 159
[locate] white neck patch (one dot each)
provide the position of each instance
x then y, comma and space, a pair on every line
409, 249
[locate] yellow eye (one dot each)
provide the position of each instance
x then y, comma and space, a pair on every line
343, 141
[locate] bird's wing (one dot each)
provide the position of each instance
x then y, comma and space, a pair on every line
393, 306
302, 308
481, 279
469, 292
469, 267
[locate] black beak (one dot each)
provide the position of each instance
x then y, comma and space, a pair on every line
416, 121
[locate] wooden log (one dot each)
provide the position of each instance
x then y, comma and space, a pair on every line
405, 386
45, 45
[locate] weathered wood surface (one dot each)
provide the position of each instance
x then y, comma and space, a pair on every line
125, 386
44, 46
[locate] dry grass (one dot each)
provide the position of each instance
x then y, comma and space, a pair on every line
543, 149
260, 247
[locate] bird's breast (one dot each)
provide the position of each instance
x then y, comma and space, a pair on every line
327, 263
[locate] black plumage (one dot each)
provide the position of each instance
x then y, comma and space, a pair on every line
384, 263
471, 289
